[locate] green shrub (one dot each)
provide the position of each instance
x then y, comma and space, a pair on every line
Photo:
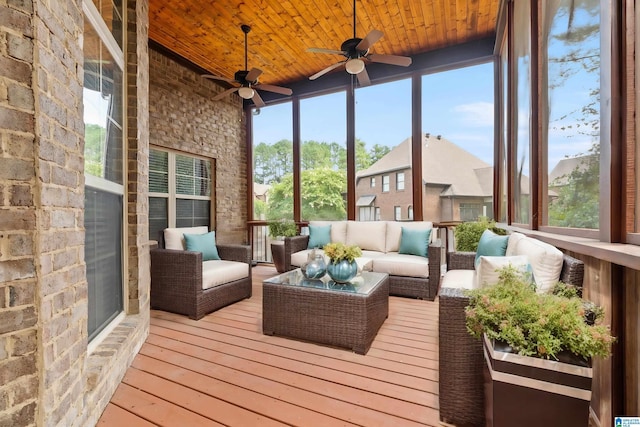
532, 324
468, 234
282, 228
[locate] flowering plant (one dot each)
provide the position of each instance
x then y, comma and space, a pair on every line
532, 324
339, 251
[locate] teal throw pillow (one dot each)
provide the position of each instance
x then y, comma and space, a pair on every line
319, 235
415, 242
205, 243
491, 244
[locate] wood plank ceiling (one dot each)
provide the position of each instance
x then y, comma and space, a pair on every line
208, 33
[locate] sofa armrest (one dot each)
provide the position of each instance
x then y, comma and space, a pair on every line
175, 272
435, 272
291, 246
461, 261
461, 391
239, 253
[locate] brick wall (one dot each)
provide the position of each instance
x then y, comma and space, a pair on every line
183, 117
47, 376
19, 379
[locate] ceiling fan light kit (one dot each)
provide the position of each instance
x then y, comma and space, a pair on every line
354, 66
356, 50
248, 80
246, 92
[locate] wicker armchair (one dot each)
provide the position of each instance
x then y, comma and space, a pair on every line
461, 356
176, 281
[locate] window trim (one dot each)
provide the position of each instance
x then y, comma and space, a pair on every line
398, 181
388, 183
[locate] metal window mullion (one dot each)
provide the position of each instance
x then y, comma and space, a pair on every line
171, 214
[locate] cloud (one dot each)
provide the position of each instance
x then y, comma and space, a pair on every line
478, 114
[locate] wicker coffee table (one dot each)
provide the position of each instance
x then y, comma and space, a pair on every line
326, 312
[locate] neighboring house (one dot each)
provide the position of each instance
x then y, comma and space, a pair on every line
261, 191
559, 176
456, 185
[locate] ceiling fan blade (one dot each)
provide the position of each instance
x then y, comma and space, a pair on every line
369, 39
257, 100
253, 75
225, 93
222, 79
403, 61
363, 78
321, 50
272, 88
326, 70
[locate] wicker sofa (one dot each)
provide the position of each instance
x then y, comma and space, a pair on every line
181, 282
461, 356
409, 275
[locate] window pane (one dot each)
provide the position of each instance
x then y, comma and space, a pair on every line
273, 162
158, 216
458, 141
383, 147
522, 77
323, 157
102, 99
103, 236
158, 171
571, 129
192, 176
111, 11
192, 213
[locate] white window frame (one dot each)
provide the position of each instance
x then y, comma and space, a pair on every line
397, 213
372, 183
385, 183
399, 182
172, 195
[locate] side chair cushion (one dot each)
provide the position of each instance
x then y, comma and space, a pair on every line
174, 237
545, 259
319, 235
491, 244
219, 272
205, 243
415, 242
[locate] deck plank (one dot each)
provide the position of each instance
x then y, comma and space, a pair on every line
221, 370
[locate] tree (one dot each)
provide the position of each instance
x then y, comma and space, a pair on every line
93, 149
322, 197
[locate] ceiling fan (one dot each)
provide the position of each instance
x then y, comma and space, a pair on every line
248, 80
356, 50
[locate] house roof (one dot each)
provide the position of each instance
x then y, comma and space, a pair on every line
559, 175
260, 189
443, 163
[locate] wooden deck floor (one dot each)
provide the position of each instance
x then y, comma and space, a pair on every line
222, 370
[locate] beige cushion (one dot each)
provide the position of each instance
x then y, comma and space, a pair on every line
545, 259
174, 237
512, 244
338, 230
394, 232
397, 264
488, 265
219, 272
465, 279
368, 235
298, 259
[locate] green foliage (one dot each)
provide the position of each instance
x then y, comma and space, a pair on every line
282, 227
322, 196
468, 234
578, 201
259, 208
339, 251
532, 324
93, 147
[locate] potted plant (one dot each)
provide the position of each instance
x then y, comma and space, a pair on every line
538, 350
278, 230
342, 267
281, 228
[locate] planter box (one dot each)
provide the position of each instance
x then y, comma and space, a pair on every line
528, 391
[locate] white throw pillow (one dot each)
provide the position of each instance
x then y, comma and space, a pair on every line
486, 270
174, 237
545, 259
338, 230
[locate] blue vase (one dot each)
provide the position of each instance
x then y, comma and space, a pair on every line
342, 271
315, 267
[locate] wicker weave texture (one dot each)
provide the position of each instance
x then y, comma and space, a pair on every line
340, 319
176, 281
